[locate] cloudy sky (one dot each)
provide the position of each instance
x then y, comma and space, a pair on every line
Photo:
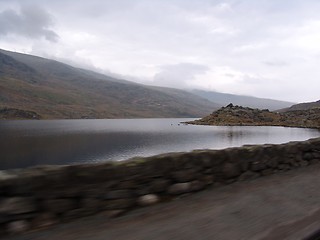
265, 48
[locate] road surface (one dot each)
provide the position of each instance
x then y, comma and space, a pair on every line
282, 206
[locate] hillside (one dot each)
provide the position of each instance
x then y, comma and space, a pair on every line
55, 90
302, 106
244, 116
253, 102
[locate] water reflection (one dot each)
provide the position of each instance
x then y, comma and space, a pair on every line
233, 135
27, 143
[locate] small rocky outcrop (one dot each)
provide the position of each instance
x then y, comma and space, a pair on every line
243, 116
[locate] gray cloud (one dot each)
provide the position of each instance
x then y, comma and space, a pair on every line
31, 22
229, 75
275, 63
178, 75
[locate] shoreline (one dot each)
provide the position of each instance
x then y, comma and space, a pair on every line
253, 125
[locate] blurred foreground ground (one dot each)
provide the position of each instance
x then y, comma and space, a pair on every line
283, 206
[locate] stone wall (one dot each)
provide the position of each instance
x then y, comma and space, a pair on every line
39, 197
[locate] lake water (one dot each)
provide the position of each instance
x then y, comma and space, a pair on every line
28, 143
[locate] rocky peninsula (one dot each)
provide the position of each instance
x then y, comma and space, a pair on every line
244, 116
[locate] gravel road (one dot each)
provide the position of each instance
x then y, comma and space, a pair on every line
282, 206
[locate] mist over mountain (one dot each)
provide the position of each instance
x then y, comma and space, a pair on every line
248, 101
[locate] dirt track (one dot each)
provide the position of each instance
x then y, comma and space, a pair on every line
283, 206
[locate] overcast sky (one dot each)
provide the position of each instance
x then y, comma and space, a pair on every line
265, 48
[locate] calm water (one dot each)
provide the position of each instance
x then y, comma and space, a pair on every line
27, 143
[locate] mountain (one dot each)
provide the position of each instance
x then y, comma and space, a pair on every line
302, 106
54, 90
253, 102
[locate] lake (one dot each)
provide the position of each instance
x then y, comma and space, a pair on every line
28, 143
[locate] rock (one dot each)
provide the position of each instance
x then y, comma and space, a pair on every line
316, 155
61, 193
118, 194
159, 185
74, 214
184, 175
307, 156
6, 176
289, 159
257, 166
237, 155
272, 163
44, 220
231, 170
3, 219
229, 181
197, 186
205, 158
248, 176
19, 226
55, 176
23, 216
59, 205
17, 205
91, 205
149, 199
230, 105
244, 164
284, 167
93, 191
207, 179
218, 157
267, 172
180, 188
181, 161
118, 204
303, 163
129, 184
142, 190
314, 161
115, 213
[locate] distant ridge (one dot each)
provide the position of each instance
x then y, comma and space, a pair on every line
302, 106
249, 101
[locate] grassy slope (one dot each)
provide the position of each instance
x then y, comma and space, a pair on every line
56, 90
